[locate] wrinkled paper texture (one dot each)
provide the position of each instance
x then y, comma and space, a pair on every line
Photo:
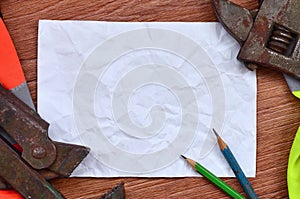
141, 94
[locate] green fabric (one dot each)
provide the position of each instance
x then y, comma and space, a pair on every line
293, 173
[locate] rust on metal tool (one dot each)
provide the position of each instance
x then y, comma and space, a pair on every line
118, 192
31, 132
22, 177
26, 127
40, 159
237, 20
3, 185
68, 158
274, 39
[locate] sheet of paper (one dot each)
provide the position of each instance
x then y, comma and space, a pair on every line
141, 94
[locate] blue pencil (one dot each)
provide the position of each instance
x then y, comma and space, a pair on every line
236, 168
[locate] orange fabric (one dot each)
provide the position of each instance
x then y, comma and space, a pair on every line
11, 73
9, 194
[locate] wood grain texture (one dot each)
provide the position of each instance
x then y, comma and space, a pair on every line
278, 114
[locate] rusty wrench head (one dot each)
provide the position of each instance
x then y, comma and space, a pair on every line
269, 37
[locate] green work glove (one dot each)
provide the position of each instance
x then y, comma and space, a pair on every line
293, 173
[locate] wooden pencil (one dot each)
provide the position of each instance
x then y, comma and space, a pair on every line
235, 167
214, 179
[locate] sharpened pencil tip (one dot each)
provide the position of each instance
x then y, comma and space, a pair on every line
215, 132
183, 157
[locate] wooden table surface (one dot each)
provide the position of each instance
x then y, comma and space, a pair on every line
278, 115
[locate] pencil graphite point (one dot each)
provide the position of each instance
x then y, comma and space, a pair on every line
220, 141
183, 157
215, 132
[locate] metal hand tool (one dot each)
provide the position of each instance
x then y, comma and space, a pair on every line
268, 36
118, 192
40, 159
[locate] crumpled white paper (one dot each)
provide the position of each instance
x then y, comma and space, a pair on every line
141, 94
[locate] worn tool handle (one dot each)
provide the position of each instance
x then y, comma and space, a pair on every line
28, 129
11, 73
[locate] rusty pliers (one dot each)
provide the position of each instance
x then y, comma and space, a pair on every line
41, 158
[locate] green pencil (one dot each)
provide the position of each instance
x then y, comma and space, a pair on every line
214, 179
